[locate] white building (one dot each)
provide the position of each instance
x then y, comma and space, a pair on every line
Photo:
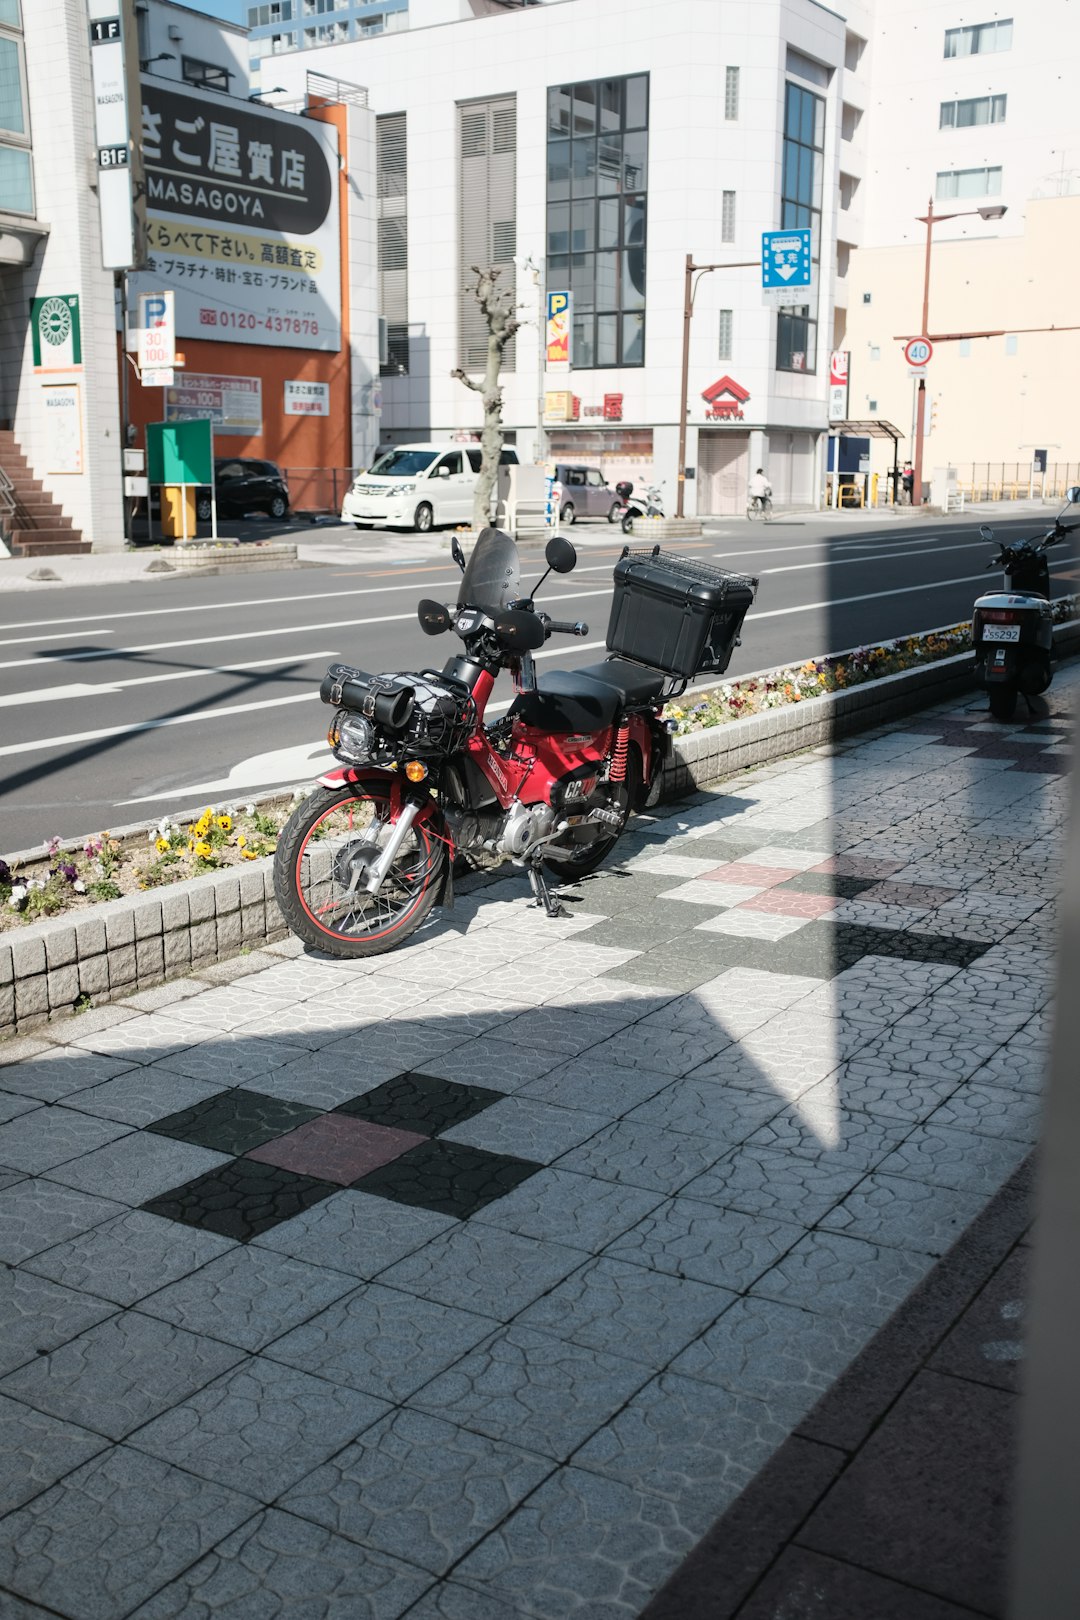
604, 154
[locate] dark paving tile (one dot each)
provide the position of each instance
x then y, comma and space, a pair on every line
805, 1585
448, 1177
841, 884
234, 1121
421, 1103
926, 1500
240, 1199
987, 1344
1043, 764
697, 959
334, 1147
712, 1582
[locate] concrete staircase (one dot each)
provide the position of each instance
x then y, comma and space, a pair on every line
36, 527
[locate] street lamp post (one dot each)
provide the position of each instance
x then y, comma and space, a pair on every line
930, 219
690, 287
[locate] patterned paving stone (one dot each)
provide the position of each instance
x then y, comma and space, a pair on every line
596, 1088
627, 1311
783, 902
742, 923
945, 1156
835, 1275
221, 1062
137, 1167
144, 1095
718, 1115
714, 892
239, 1199
129, 1257
280, 1560
35, 1214
423, 1103
581, 1548
13, 1107
38, 1316
56, 1072
496, 1065
824, 1133
527, 1128
784, 1357
744, 874
52, 1135
355, 1232
115, 1376
141, 1039
234, 1121
110, 1534
419, 1488
686, 1237
560, 1207
261, 1428
450, 1178
643, 1154
248, 1296
760, 1182
335, 1147
661, 1048
381, 1341
904, 1214
534, 1390
483, 1269
38, 1450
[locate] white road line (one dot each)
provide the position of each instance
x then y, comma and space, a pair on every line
850, 562
200, 718
58, 635
54, 694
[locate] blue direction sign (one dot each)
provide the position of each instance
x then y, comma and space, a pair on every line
785, 259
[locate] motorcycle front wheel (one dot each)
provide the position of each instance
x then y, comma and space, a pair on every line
325, 842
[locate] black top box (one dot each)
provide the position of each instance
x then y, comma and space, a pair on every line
675, 613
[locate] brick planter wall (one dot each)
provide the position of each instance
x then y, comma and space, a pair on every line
114, 949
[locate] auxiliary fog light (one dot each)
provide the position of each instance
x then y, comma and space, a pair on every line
415, 770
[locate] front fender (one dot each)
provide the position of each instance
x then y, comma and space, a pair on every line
349, 775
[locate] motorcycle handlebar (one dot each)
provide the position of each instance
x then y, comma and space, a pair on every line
558, 627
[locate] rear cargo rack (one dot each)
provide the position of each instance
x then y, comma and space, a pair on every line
690, 567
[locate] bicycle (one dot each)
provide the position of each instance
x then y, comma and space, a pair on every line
759, 506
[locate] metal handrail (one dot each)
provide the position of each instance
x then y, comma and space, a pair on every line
7, 499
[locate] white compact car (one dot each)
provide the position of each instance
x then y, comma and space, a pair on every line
418, 486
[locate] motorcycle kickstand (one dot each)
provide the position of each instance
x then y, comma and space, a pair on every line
542, 894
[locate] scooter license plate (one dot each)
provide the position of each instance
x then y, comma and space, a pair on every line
1001, 632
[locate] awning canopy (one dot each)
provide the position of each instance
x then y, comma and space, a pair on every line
868, 430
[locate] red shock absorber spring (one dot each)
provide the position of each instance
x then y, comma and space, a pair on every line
618, 755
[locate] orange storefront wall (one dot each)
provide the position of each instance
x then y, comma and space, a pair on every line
315, 452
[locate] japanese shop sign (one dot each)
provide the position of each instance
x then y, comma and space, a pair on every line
230, 404
56, 332
557, 356
108, 75
307, 399
242, 219
838, 385
724, 400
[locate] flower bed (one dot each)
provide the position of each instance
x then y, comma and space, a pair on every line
732, 700
70, 877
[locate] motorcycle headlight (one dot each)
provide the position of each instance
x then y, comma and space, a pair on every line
351, 736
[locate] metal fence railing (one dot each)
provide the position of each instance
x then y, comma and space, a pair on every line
1016, 480
317, 489
7, 503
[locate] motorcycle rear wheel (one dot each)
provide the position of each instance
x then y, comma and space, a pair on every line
567, 868
1002, 702
314, 862
628, 523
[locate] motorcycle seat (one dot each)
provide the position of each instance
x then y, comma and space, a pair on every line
587, 699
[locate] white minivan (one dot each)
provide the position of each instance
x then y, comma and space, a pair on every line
418, 486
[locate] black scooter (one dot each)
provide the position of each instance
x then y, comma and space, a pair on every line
1013, 629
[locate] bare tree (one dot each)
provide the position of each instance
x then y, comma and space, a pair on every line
500, 313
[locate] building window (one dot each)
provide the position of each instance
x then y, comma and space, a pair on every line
978, 39
731, 93
727, 216
391, 181
800, 207
597, 188
282, 42
975, 110
278, 11
16, 172
487, 207
724, 349
969, 183
208, 75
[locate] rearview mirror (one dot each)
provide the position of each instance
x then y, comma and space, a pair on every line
442, 471
560, 555
457, 553
1072, 495
985, 531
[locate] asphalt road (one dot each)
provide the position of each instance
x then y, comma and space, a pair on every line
122, 703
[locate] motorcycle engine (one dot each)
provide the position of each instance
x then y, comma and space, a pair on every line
513, 832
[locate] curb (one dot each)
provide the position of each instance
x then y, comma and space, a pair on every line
116, 948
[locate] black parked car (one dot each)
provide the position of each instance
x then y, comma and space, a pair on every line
245, 485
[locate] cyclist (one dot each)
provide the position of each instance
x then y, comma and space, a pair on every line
760, 491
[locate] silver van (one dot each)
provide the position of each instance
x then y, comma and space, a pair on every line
586, 493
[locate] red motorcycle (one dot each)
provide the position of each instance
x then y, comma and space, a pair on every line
549, 787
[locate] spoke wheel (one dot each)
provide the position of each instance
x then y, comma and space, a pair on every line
321, 858
575, 860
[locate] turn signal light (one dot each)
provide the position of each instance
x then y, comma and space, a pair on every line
415, 771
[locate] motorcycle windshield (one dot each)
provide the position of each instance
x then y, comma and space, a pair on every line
492, 578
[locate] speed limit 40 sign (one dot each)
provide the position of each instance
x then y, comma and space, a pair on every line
918, 353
